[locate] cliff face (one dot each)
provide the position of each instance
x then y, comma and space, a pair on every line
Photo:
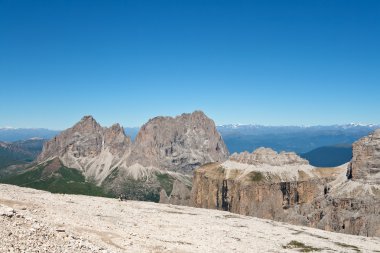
284, 187
365, 164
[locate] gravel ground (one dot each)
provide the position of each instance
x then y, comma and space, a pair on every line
38, 221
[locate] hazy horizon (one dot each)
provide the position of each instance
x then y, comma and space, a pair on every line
216, 123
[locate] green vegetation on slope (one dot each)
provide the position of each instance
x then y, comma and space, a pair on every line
63, 180
256, 176
301, 247
143, 189
166, 182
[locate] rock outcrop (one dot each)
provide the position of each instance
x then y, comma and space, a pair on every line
166, 150
268, 156
286, 188
178, 144
365, 164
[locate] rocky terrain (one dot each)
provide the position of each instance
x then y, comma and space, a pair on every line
285, 187
38, 221
163, 155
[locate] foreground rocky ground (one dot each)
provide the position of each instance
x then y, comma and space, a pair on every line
37, 221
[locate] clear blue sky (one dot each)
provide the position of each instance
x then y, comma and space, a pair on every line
267, 62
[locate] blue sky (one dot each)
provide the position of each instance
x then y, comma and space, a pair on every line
267, 62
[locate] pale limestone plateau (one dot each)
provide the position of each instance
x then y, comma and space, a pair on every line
38, 221
284, 187
166, 150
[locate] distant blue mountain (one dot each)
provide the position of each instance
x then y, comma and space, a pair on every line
329, 156
239, 138
18, 134
298, 139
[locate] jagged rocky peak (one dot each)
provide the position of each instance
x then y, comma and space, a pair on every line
115, 139
365, 163
88, 147
181, 143
85, 132
87, 123
268, 156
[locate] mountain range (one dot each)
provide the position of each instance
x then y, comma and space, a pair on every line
297, 139
323, 146
239, 138
9, 134
97, 160
183, 160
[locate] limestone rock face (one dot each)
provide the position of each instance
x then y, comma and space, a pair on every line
178, 144
285, 188
365, 164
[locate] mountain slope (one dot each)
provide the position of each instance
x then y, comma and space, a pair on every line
53, 176
19, 152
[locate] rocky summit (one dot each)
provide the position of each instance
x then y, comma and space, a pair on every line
164, 153
286, 188
178, 144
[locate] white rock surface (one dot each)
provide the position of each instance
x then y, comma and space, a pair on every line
268, 156
45, 222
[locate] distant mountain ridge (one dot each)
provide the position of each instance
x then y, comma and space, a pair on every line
306, 141
8, 134
20, 151
299, 139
